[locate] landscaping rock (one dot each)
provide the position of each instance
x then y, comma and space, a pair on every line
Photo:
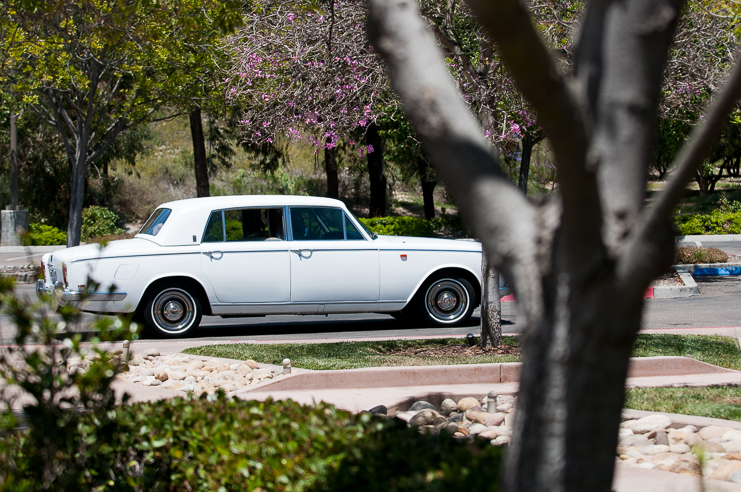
151, 352
713, 432
489, 434
647, 424
495, 419
161, 374
708, 447
734, 477
422, 405
448, 406
466, 403
251, 364
679, 448
379, 410
476, 428
477, 414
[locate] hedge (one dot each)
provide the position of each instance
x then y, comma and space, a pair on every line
716, 222
447, 225
45, 235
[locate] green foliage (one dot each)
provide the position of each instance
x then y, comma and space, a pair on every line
689, 255
233, 230
63, 403
719, 402
99, 221
716, 350
402, 459
448, 225
45, 235
716, 222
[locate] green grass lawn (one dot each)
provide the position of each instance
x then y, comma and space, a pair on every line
717, 350
720, 402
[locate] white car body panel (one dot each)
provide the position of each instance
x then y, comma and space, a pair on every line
274, 276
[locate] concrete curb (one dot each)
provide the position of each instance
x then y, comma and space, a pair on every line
30, 250
711, 269
709, 238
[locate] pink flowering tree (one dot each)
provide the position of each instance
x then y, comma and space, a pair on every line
305, 72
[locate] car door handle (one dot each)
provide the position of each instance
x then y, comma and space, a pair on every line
210, 254
301, 253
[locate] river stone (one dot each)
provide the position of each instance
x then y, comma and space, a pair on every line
152, 382
466, 403
692, 438
251, 364
424, 417
494, 420
422, 405
234, 367
734, 435
161, 374
458, 418
147, 371
713, 432
509, 419
623, 432
476, 428
679, 448
732, 446
647, 424
261, 377
244, 369
151, 352
196, 365
406, 416
168, 384
661, 438
489, 434
734, 477
682, 467
449, 428
708, 447
439, 420
500, 441
137, 360
448, 406
178, 375
477, 414
189, 380
655, 449
504, 431
723, 471
634, 440
504, 407
138, 379
377, 410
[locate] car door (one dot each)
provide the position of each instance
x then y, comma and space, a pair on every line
332, 263
244, 255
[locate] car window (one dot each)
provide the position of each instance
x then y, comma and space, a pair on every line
351, 231
317, 223
214, 228
254, 224
155, 222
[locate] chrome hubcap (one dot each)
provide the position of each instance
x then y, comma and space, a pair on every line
447, 301
173, 310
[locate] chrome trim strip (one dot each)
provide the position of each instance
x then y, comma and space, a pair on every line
337, 249
134, 256
433, 250
289, 303
95, 296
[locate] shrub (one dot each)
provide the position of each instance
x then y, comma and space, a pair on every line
716, 222
75, 437
45, 235
99, 221
399, 226
688, 255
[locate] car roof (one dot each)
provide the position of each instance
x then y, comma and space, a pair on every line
188, 219
219, 202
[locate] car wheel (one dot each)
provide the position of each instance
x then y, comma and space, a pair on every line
448, 300
172, 310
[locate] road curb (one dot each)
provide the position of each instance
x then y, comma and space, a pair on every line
709, 238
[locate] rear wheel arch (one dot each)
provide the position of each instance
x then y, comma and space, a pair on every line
455, 272
198, 290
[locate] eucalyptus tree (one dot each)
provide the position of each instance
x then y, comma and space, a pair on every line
580, 260
93, 69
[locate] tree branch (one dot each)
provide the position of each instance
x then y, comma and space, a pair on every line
693, 153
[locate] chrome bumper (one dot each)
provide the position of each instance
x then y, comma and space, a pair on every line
42, 291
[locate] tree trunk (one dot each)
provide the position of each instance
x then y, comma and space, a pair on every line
375, 170
491, 306
199, 153
428, 182
77, 195
13, 161
527, 150
330, 164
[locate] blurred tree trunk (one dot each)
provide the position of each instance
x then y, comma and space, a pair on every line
375, 170
199, 153
527, 151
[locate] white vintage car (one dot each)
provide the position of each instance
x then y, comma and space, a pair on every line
257, 255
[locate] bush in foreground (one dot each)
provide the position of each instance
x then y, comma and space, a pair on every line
45, 235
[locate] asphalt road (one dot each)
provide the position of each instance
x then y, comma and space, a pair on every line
717, 306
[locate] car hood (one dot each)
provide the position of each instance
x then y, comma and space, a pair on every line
388, 242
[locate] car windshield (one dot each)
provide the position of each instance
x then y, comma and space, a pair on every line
155, 222
371, 234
